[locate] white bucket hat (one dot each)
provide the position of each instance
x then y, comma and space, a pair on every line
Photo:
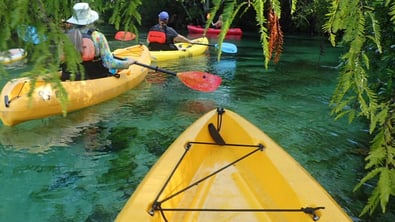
83, 14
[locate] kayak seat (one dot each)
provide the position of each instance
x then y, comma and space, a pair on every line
214, 133
181, 48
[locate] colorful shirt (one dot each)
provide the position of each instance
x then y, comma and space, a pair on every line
108, 59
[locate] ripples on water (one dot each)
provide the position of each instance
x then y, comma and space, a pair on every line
84, 167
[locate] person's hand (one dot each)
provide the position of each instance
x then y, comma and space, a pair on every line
131, 61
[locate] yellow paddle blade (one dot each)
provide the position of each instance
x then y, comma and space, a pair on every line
201, 81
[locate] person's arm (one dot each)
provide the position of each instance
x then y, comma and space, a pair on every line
181, 38
178, 37
106, 54
217, 24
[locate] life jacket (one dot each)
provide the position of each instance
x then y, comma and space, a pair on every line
88, 47
158, 39
92, 63
157, 36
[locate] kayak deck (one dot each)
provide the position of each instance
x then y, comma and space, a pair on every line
222, 168
221, 190
17, 105
185, 50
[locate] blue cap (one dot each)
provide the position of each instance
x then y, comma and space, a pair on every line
163, 16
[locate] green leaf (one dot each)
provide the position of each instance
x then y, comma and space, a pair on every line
372, 204
384, 187
367, 177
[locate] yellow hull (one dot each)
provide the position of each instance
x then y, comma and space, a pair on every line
186, 50
266, 185
12, 55
16, 106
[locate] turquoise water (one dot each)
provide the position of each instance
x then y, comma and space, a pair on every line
84, 167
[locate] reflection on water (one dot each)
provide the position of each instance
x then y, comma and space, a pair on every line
183, 65
18, 65
226, 68
95, 158
41, 135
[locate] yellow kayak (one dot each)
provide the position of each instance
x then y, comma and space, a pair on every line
16, 106
12, 55
223, 168
185, 50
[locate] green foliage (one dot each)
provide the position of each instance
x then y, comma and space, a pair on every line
232, 8
365, 86
301, 17
47, 17
293, 6
392, 12
376, 38
259, 7
129, 16
308, 15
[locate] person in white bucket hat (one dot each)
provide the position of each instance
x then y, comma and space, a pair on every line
97, 58
83, 14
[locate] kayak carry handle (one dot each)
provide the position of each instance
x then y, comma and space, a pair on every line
214, 133
6, 101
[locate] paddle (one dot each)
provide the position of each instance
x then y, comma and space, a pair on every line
197, 80
225, 47
124, 36
29, 34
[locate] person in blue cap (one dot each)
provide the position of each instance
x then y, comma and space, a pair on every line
163, 37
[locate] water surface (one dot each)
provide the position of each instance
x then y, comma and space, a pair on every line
84, 167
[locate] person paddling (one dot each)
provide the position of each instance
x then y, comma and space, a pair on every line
97, 58
218, 23
163, 37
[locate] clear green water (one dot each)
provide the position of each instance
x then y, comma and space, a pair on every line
85, 167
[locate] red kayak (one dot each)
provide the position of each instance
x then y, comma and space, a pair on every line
124, 36
193, 29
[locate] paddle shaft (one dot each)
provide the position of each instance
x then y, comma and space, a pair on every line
198, 43
226, 47
200, 81
156, 68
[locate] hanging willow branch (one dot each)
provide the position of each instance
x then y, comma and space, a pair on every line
276, 36
53, 46
366, 89
231, 8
